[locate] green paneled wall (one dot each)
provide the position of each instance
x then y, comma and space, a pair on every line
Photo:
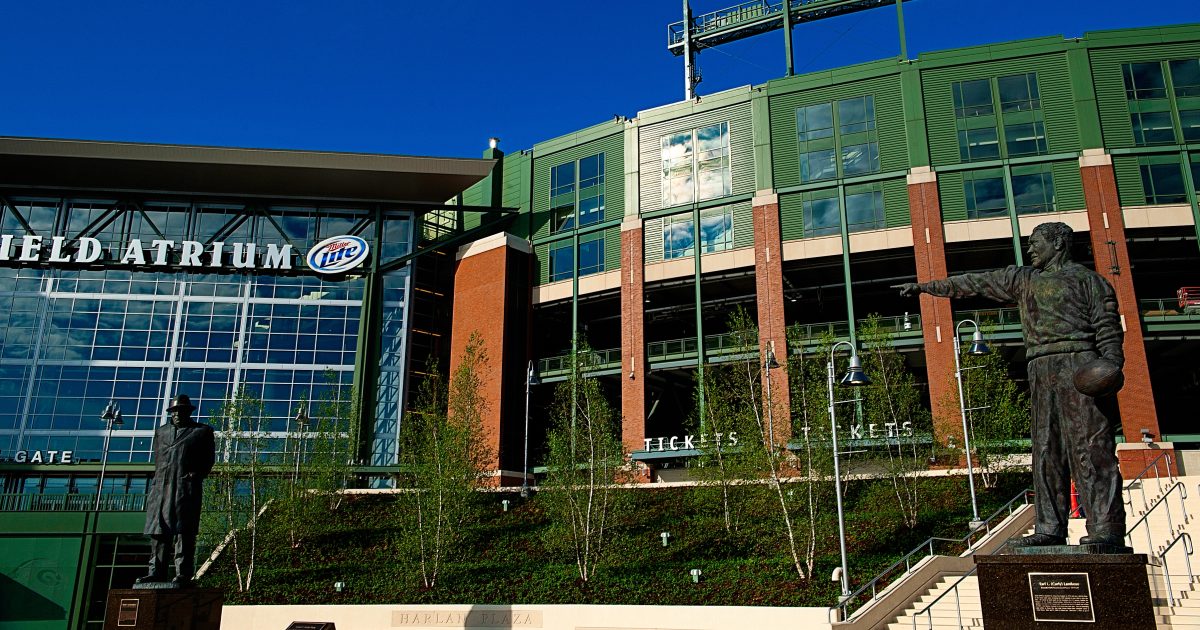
1110, 86
37, 581
791, 216
612, 248
653, 236
1054, 86
1129, 179
741, 148
895, 203
614, 179
542, 252
1068, 186
743, 224
889, 122
950, 194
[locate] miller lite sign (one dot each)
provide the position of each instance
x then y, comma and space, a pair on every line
338, 254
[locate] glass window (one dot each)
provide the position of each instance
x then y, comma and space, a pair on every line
591, 209
821, 214
562, 261
864, 210
1185, 77
1018, 93
562, 218
1163, 182
1152, 128
1144, 81
973, 98
815, 122
817, 165
985, 196
716, 230
859, 159
1025, 138
712, 162
978, 144
1190, 120
591, 171
856, 115
1033, 192
678, 186
562, 179
591, 257
590, 198
678, 236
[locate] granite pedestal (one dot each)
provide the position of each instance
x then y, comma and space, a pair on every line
1065, 590
164, 609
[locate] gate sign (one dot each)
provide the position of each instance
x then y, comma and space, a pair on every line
338, 254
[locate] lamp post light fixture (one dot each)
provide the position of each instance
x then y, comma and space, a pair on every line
855, 377
978, 349
531, 379
111, 416
301, 420
769, 363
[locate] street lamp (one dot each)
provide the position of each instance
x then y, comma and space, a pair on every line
531, 379
978, 348
769, 364
111, 416
301, 425
855, 377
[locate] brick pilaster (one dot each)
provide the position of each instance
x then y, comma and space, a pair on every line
633, 336
1107, 232
772, 329
488, 283
937, 318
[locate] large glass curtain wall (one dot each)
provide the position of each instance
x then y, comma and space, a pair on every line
71, 340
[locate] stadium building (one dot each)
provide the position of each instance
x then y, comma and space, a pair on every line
134, 272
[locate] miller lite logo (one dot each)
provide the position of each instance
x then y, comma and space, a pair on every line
338, 254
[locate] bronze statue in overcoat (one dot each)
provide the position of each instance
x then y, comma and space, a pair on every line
184, 451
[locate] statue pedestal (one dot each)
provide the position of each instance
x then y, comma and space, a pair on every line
164, 609
1064, 587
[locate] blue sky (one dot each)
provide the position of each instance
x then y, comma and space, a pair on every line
432, 78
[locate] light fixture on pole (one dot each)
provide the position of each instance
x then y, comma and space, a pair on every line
769, 364
855, 377
531, 379
301, 425
978, 348
111, 416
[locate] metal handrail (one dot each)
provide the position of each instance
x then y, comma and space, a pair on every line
928, 609
1170, 522
986, 526
1187, 557
19, 502
1157, 474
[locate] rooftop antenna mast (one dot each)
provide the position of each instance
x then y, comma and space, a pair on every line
686, 37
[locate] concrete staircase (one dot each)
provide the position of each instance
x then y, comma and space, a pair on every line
952, 602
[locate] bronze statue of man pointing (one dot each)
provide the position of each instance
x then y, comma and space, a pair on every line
1073, 340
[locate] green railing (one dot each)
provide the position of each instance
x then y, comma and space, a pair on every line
1167, 311
71, 502
590, 362
723, 18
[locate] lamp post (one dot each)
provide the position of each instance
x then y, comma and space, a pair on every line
111, 416
855, 377
301, 425
531, 379
978, 348
769, 364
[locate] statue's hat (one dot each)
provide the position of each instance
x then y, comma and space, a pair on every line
181, 402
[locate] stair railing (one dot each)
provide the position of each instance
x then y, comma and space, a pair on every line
923, 551
928, 609
1162, 500
1140, 479
1187, 557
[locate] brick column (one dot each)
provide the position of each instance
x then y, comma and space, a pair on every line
633, 336
772, 329
1107, 231
490, 298
937, 318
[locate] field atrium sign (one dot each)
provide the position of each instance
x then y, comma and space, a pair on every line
334, 255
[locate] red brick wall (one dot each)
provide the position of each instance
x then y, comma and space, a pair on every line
633, 340
481, 283
1108, 224
768, 271
937, 319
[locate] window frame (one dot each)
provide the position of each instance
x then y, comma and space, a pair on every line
567, 196
1004, 117
828, 146
692, 162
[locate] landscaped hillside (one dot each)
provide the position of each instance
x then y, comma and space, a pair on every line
519, 556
